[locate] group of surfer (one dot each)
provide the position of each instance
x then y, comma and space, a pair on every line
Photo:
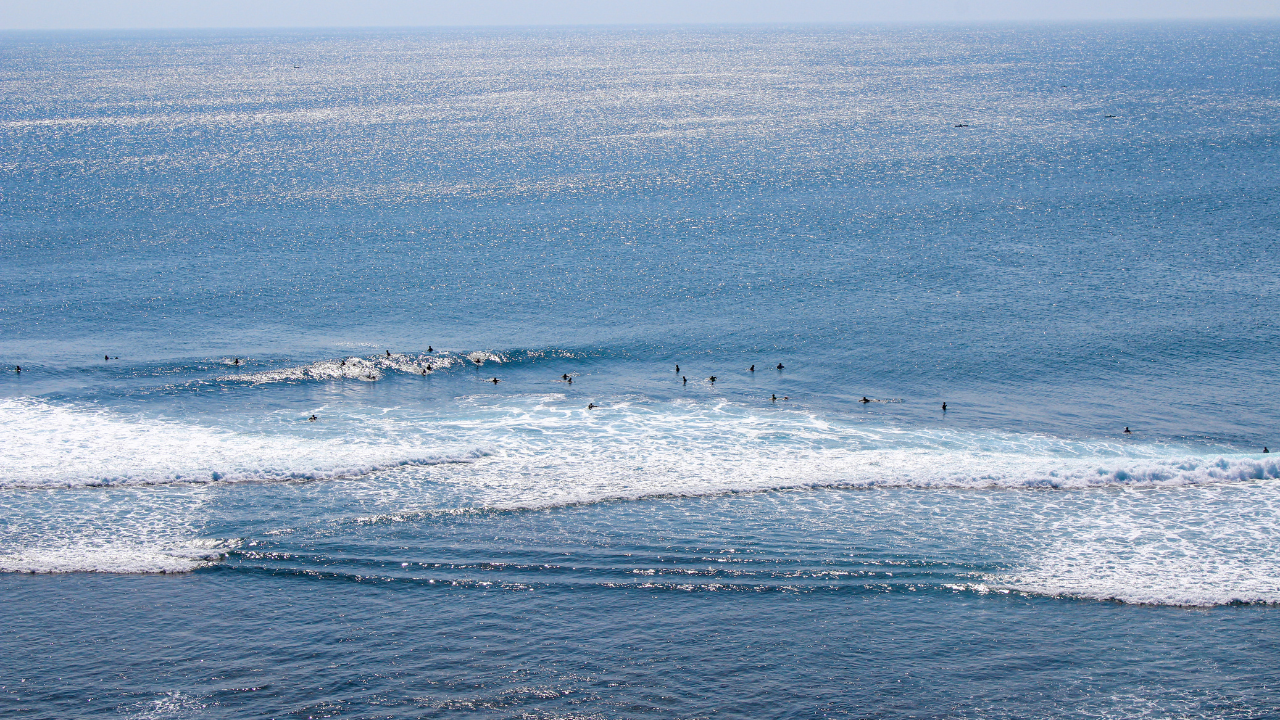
591, 406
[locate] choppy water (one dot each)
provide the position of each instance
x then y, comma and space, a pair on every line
1060, 232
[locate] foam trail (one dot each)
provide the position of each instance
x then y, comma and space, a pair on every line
546, 453
48, 446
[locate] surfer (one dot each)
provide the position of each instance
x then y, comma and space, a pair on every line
864, 400
106, 357
1265, 450
495, 381
430, 349
424, 371
564, 376
944, 407
313, 418
752, 368
677, 368
1127, 431
17, 369
236, 361
773, 398
684, 379
712, 379
779, 366
591, 406
388, 353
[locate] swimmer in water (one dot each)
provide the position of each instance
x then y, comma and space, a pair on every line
313, 418
591, 406
430, 349
495, 381
684, 380
564, 376
424, 371
569, 380
752, 368
17, 369
773, 398
779, 366
864, 400
677, 368
944, 407
712, 378
106, 357
388, 353
236, 361
1127, 431
1265, 450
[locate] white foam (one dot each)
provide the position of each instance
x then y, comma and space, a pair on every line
43, 445
546, 452
369, 369
549, 450
1194, 547
108, 558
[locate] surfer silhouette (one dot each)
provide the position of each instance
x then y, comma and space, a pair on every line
1127, 431
944, 407
779, 366
752, 368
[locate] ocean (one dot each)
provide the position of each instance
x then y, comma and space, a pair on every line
600, 372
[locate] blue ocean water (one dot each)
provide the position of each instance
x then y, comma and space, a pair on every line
1062, 232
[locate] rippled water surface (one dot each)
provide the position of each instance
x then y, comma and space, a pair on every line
600, 373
